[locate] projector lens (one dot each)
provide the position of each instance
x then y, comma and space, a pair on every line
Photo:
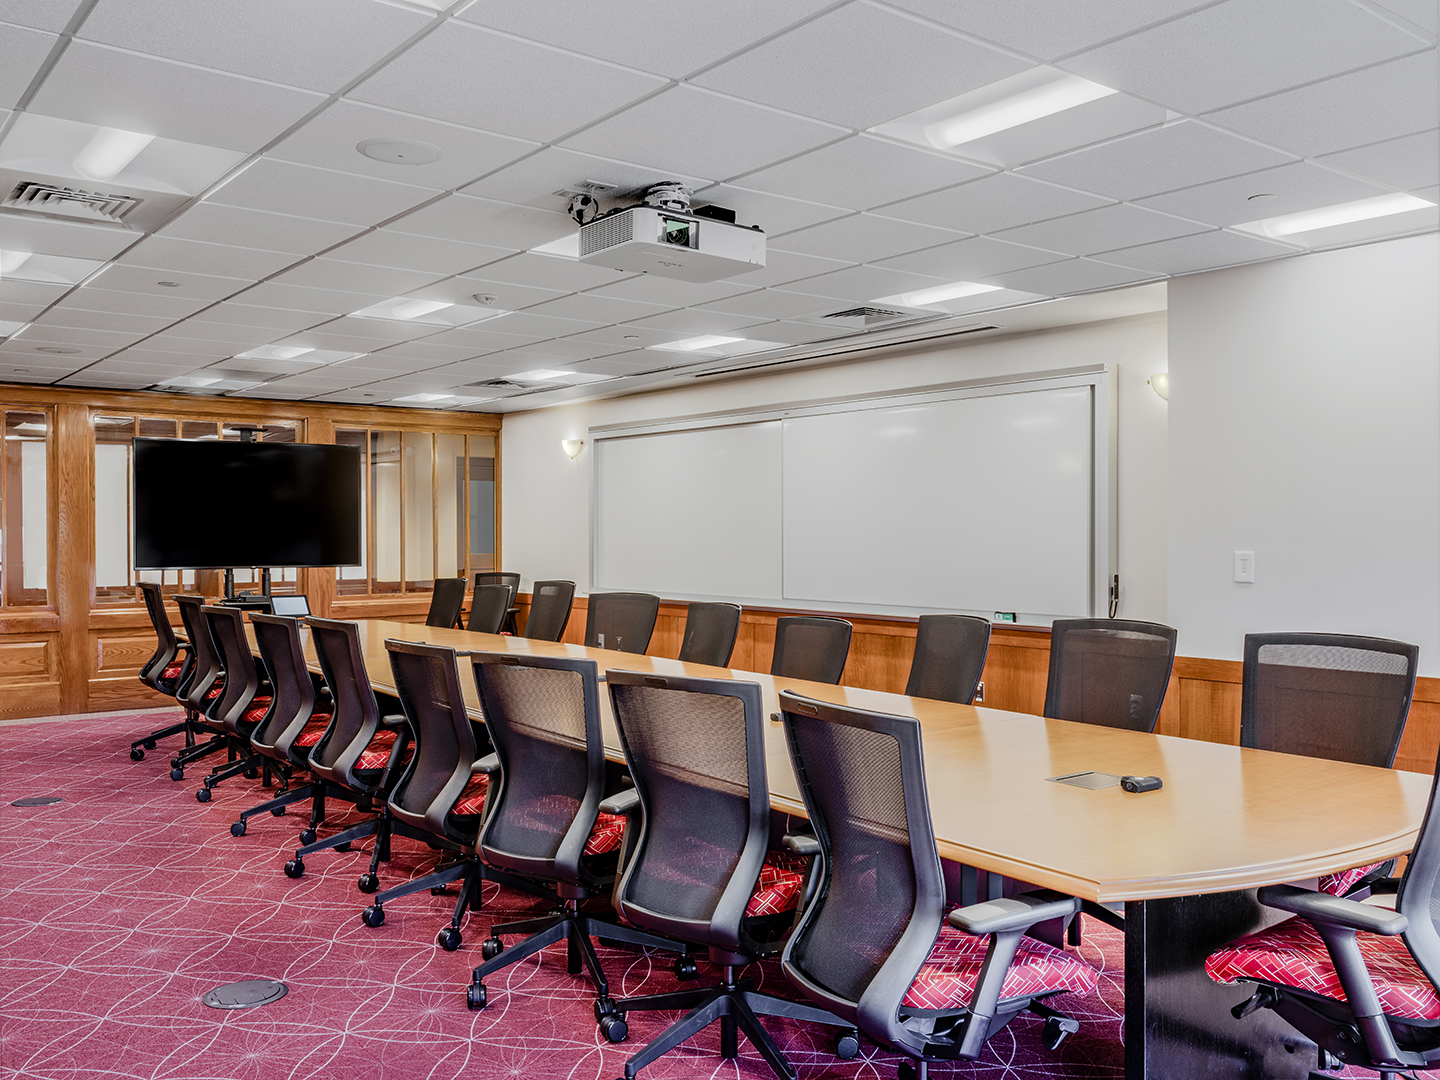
677, 232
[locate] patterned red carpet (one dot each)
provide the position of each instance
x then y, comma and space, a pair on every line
122, 905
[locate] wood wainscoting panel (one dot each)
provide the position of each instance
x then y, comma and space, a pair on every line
1210, 711
1421, 744
29, 675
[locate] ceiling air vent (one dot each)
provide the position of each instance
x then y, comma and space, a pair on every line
38, 197
866, 316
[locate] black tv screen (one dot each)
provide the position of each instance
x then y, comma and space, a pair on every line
209, 505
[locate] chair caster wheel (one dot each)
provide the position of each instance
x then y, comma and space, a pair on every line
237, 828
177, 774
369, 883
203, 795
1055, 1031
847, 1045
491, 948
604, 1006
475, 996
448, 939
250, 774
373, 915
295, 868
907, 1071
307, 837
614, 1028
439, 890
149, 744
279, 811
136, 754
343, 847
685, 968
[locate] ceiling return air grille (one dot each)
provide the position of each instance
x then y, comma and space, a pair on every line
37, 197
865, 317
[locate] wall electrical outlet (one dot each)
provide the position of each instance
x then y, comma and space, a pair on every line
1245, 567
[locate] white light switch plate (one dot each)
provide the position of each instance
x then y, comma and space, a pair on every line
1245, 567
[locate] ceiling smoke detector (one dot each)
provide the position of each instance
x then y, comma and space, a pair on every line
400, 151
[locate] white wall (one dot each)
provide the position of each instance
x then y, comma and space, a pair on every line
1305, 426
546, 496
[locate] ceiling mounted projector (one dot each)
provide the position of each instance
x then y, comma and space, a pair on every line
672, 243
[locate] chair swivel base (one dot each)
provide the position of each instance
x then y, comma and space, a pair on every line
738, 1008
139, 746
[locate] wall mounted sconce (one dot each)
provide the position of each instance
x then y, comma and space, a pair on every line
572, 447
1159, 382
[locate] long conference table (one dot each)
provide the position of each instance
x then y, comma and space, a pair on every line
1183, 861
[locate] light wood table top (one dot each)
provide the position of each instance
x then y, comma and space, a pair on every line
1227, 818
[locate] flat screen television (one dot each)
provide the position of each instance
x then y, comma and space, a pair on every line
210, 505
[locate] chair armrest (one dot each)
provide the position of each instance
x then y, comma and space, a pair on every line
489, 765
395, 720
1322, 909
801, 844
1010, 914
622, 802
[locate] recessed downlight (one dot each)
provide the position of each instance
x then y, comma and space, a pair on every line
168, 284
400, 151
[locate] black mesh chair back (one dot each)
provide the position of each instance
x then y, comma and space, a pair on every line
811, 647
880, 903
543, 716
499, 577
710, 632
1418, 897
242, 678
207, 669
696, 751
549, 610
445, 602
1110, 672
167, 646
949, 657
292, 701
1327, 695
428, 684
488, 607
354, 709
622, 621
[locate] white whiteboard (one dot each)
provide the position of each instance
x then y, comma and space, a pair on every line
690, 514
982, 497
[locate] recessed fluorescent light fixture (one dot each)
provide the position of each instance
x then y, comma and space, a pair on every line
47, 269
411, 309
567, 247
10, 329
939, 294
10, 261
191, 380
696, 344
109, 151
1050, 97
540, 375
1340, 214
421, 399
274, 352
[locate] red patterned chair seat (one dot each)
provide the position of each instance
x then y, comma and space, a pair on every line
313, 731
472, 800
605, 837
377, 753
259, 706
1341, 883
1291, 953
215, 691
947, 978
782, 877
173, 669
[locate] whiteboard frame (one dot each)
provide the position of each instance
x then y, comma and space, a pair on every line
1104, 458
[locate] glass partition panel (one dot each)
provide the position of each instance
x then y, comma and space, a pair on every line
481, 494
418, 494
354, 580
114, 579
449, 506
385, 502
25, 506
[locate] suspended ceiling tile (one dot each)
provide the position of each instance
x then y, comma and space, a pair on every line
671, 292
1269, 193
697, 133
212, 223
355, 277
31, 293
278, 319
558, 353
493, 366
98, 85
104, 340
769, 304
976, 259
467, 75
1423, 13
102, 320
487, 339
535, 180
431, 254
811, 69
166, 253
487, 222
865, 238
1205, 251
631, 363
543, 326
139, 279
797, 333
1071, 276
861, 173
39, 351
24, 52
775, 214
1087, 233
597, 309
1408, 163
210, 336
625, 337
39, 14
361, 335
305, 191
690, 321
416, 356
1049, 28
782, 267
1173, 156
861, 283
547, 272
1243, 49
126, 303
19, 313
317, 46
663, 38
22, 232
1384, 102
507, 297
299, 298
992, 203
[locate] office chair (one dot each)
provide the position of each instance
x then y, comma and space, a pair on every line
549, 610
243, 701
710, 632
874, 946
623, 621
361, 754
202, 682
1330, 696
700, 871
489, 608
164, 671
950, 654
1111, 672
545, 821
446, 601
293, 723
811, 647
1361, 982
501, 577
